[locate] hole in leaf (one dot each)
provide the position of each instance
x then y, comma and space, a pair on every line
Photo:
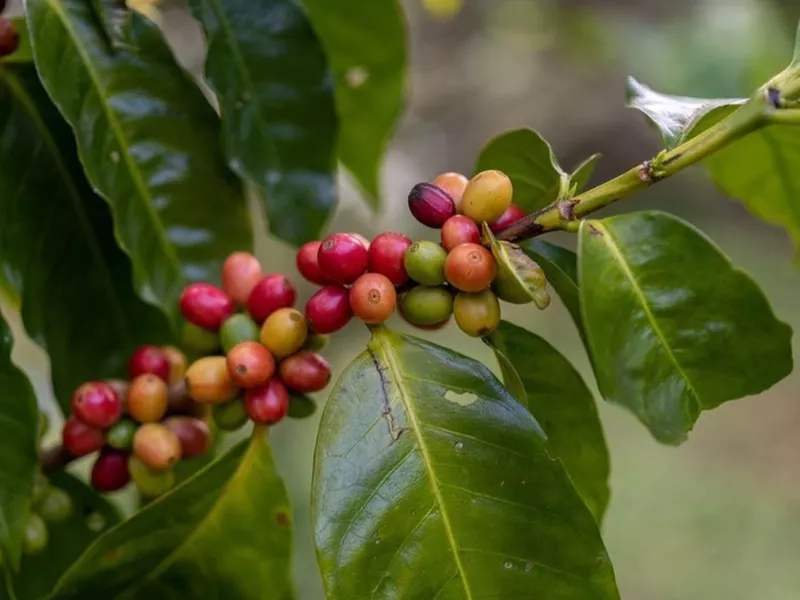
461, 398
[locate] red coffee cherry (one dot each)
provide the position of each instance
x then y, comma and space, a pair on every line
364, 241
250, 364
342, 257
458, 230
267, 404
386, 256
110, 471
205, 305
97, 404
470, 268
193, 434
308, 264
430, 205
147, 398
274, 291
305, 372
241, 271
454, 184
329, 310
513, 214
373, 298
79, 439
9, 37
149, 359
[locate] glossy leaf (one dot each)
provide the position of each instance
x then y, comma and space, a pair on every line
149, 142
272, 80
366, 45
224, 533
432, 481
301, 406
673, 328
580, 177
559, 399
511, 378
519, 279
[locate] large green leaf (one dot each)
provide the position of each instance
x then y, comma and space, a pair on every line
19, 423
673, 328
366, 45
272, 80
559, 399
58, 254
149, 142
432, 481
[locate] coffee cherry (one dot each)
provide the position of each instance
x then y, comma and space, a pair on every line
238, 329
150, 483
229, 416
328, 310
470, 268
284, 333
41, 486
96, 404
427, 306
205, 305
147, 398
477, 315
110, 471
386, 256
35, 537
79, 439
9, 38
193, 434
430, 205
458, 230
513, 214
250, 364
268, 404
55, 506
342, 257
156, 446
177, 364
487, 196
424, 262
305, 372
199, 340
149, 359
209, 382
308, 263
454, 184
273, 292
373, 298
241, 271
120, 436
315, 342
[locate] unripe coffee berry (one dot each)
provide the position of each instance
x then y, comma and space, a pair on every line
342, 257
150, 483
373, 298
35, 536
110, 471
149, 359
205, 305
454, 184
268, 404
120, 436
487, 196
470, 268
308, 263
96, 404
272, 293
199, 340
315, 342
147, 398
9, 38
328, 310
430, 205
424, 262
193, 434
79, 439
284, 333
458, 230
386, 256
477, 315
238, 329
177, 364
241, 271
427, 306
250, 364
229, 416
305, 372
55, 506
156, 446
209, 382
513, 214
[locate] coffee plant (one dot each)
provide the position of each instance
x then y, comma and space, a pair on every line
126, 247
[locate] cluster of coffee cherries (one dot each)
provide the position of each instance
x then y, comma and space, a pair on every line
130, 425
9, 36
269, 354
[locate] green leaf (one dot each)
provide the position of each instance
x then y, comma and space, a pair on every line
511, 378
580, 177
519, 279
224, 533
366, 45
148, 140
673, 328
271, 77
58, 255
432, 481
559, 399
19, 424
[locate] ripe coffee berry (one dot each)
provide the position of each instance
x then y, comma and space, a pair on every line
284, 333
386, 256
305, 372
156, 446
364, 241
149, 359
470, 267
193, 434
427, 306
110, 471
205, 305
477, 315
454, 184
150, 483
229, 416
373, 298
96, 404
120, 436
238, 329
328, 310
268, 404
513, 214
424, 262
209, 382
79, 439
430, 205
342, 257
177, 364
308, 263
487, 196
273, 292
241, 271
250, 364
458, 230
147, 398
9, 37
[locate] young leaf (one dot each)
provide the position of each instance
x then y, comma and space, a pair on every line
272, 80
673, 328
148, 140
558, 397
223, 533
366, 46
583, 172
431, 480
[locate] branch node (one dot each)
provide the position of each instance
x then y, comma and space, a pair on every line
566, 209
774, 97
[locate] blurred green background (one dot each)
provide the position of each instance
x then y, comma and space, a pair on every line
719, 517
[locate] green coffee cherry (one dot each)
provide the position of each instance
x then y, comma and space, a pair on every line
41, 485
56, 506
229, 416
35, 537
150, 483
477, 315
199, 340
315, 342
120, 435
424, 263
424, 306
237, 329
301, 407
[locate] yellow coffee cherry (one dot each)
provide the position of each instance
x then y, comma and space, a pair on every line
487, 197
